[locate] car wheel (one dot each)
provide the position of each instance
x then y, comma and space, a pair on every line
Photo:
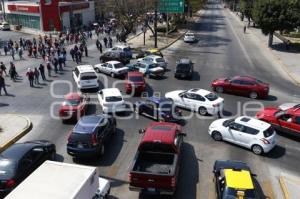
256, 149
97, 70
53, 155
219, 89
202, 110
112, 75
216, 136
253, 95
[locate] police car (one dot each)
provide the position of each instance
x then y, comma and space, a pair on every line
233, 179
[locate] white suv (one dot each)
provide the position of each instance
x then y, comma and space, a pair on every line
85, 77
248, 132
111, 100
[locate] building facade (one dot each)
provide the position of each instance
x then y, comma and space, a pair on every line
49, 15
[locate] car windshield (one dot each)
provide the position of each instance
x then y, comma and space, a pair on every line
279, 113
88, 76
113, 99
152, 66
190, 34
166, 106
71, 102
183, 67
230, 193
211, 96
135, 78
7, 168
126, 49
259, 81
227, 122
119, 65
160, 60
269, 132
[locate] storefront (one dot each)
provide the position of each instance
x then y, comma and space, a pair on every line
49, 15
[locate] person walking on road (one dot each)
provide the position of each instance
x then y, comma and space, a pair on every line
3, 68
12, 52
36, 76
100, 47
97, 44
20, 53
12, 71
55, 63
42, 71
2, 85
110, 42
49, 69
30, 76
5, 49
86, 50
245, 28
105, 42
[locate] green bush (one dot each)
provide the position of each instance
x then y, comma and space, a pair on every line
293, 34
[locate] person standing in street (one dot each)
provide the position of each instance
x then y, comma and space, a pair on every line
12, 71
97, 43
30, 76
105, 42
3, 68
110, 42
86, 50
42, 71
100, 47
21, 53
5, 49
55, 63
2, 85
245, 28
12, 52
36, 76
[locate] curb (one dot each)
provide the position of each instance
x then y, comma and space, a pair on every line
283, 66
19, 135
131, 38
169, 44
283, 187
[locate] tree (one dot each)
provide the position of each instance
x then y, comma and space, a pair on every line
273, 15
246, 7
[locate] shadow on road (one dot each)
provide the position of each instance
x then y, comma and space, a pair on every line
276, 153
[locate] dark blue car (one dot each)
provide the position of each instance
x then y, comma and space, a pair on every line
160, 109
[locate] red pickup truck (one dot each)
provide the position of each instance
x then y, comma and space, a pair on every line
156, 164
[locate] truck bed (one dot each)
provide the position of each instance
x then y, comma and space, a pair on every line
155, 163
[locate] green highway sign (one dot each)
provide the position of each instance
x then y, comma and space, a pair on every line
171, 6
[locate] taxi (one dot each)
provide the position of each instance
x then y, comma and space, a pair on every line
233, 179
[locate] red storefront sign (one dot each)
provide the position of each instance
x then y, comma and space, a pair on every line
24, 8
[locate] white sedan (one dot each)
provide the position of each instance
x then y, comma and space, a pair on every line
203, 101
189, 37
161, 62
111, 100
248, 132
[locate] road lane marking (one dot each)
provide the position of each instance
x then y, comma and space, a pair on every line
268, 189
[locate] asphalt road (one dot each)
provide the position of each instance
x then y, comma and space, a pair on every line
222, 50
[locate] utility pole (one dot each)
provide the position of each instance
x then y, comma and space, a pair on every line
3, 10
155, 24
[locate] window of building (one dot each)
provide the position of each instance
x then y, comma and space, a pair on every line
24, 20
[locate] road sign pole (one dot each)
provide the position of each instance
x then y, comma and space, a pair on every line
155, 24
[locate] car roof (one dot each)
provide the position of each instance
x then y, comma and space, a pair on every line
153, 56
199, 91
18, 150
162, 132
135, 73
238, 179
184, 61
111, 92
122, 46
158, 100
75, 96
242, 77
146, 62
92, 122
85, 68
252, 122
113, 62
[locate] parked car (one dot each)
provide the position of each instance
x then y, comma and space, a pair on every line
20, 160
111, 100
90, 135
153, 51
200, 100
4, 26
161, 109
114, 56
135, 82
233, 179
285, 118
161, 62
112, 68
242, 85
149, 69
156, 165
123, 48
74, 106
189, 37
85, 77
184, 69
244, 131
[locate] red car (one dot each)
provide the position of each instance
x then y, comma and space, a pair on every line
242, 85
74, 106
135, 82
284, 118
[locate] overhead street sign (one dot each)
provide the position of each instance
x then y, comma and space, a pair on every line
171, 6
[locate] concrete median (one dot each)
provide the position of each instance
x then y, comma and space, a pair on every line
13, 127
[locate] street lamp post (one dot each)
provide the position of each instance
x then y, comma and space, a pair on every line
155, 24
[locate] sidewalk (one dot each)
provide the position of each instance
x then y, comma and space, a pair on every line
12, 128
288, 59
290, 186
